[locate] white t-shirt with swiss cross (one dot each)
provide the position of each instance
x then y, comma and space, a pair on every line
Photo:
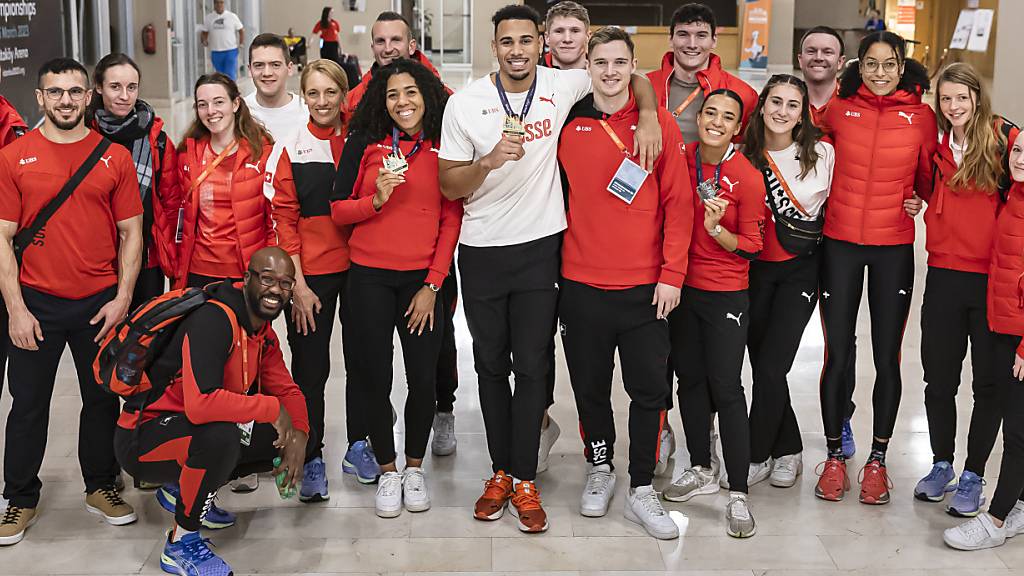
522, 200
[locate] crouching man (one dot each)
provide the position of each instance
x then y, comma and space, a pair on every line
231, 407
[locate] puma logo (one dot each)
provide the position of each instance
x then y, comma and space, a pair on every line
106, 161
729, 183
808, 296
165, 420
909, 117
548, 100
731, 316
561, 328
255, 166
905, 292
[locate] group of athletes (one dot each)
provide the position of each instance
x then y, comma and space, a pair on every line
679, 219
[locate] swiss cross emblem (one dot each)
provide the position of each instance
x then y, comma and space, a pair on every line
268, 177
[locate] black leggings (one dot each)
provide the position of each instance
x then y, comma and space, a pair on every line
380, 298
1011, 398
890, 285
594, 323
954, 311
709, 333
782, 298
200, 458
509, 294
448, 362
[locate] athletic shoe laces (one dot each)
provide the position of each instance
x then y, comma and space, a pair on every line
526, 496
316, 472
738, 508
597, 481
495, 487
111, 495
934, 473
786, 464
874, 471
969, 484
196, 548
974, 530
12, 515
367, 455
390, 484
651, 504
414, 481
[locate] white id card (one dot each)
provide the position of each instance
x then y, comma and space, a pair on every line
627, 180
246, 429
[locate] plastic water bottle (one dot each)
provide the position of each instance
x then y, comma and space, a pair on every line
286, 492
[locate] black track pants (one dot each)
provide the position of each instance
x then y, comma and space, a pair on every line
593, 323
954, 311
509, 294
782, 298
448, 362
379, 300
890, 271
709, 334
1011, 399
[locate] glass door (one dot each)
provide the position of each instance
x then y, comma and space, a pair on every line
444, 31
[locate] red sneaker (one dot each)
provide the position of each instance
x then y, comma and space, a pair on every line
526, 506
492, 503
833, 481
874, 483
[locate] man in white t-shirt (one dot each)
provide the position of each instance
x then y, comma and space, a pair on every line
499, 152
222, 32
282, 112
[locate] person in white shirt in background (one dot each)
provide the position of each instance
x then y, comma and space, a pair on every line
222, 32
282, 112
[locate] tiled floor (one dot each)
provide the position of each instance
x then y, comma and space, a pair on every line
797, 533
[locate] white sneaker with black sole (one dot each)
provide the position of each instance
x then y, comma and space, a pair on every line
644, 508
598, 491
388, 501
414, 490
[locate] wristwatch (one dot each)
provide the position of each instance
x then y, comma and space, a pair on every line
433, 287
716, 231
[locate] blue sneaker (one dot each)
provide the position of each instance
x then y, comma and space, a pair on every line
967, 500
933, 487
849, 445
190, 556
314, 482
361, 461
215, 518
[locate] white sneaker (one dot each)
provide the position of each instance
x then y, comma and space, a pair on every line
1014, 523
692, 482
388, 502
245, 484
644, 508
785, 470
414, 490
739, 521
758, 472
716, 460
597, 494
666, 449
977, 533
548, 436
444, 441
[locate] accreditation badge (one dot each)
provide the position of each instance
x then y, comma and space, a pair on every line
513, 127
246, 428
627, 180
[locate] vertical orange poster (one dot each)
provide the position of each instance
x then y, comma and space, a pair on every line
756, 22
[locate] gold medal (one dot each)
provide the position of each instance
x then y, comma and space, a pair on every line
513, 127
396, 164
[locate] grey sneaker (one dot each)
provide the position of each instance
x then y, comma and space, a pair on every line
666, 449
548, 436
1014, 523
692, 482
245, 484
444, 441
739, 521
644, 508
597, 494
785, 470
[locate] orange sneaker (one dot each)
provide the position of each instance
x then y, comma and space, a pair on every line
526, 507
492, 503
874, 483
833, 482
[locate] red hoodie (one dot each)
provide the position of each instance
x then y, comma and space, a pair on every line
711, 79
1006, 274
418, 227
610, 244
711, 267
11, 124
960, 224
356, 93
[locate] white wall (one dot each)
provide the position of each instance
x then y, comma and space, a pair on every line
1007, 80
156, 68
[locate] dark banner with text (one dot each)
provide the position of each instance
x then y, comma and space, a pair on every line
31, 33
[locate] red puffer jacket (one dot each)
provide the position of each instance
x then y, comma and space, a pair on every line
250, 208
714, 78
884, 147
960, 224
1006, 274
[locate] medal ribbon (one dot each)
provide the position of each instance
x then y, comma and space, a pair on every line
504, 98
718, 169
615, 137
398, 151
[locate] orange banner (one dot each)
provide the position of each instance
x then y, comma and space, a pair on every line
756, 23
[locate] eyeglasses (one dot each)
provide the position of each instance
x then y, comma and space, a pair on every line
268, 281
888, 66
55, 94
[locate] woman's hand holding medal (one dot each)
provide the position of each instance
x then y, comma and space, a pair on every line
714, 210
386, 182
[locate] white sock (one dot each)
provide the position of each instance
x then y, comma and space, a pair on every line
178, 533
